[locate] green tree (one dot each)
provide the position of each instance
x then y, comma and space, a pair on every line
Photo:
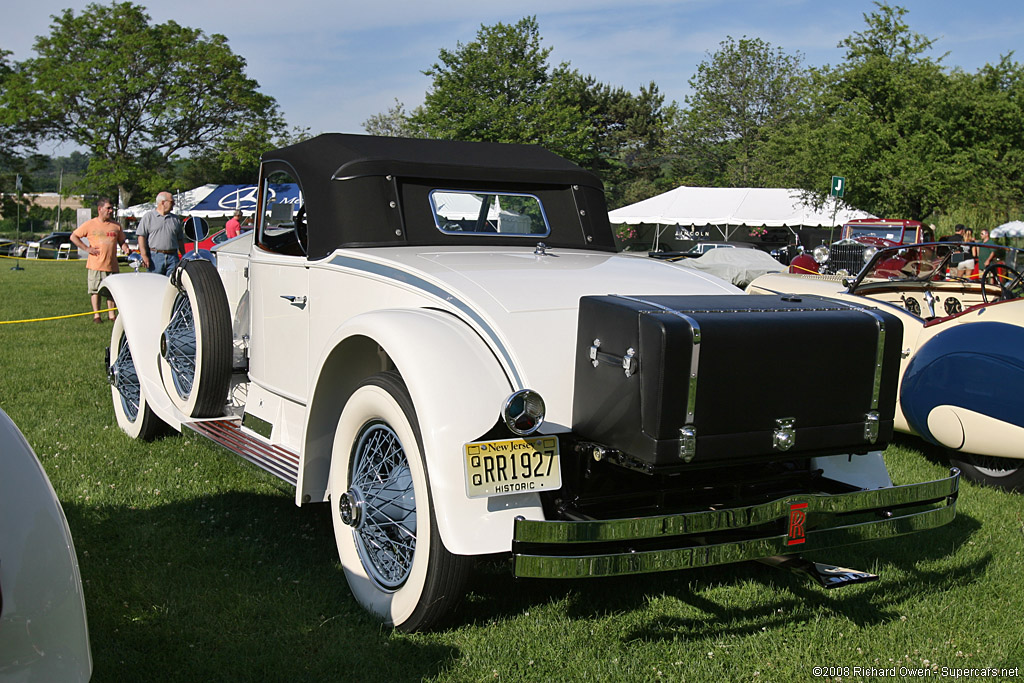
139, 96
984, 132
15, 136
880, 119
500, 88
629, 138
392, 123
742, 94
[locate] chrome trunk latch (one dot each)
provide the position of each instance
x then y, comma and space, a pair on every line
871, 423
687, 443
593, 352
629, 362
784, 436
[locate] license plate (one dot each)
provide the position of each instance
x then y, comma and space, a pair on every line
500, 468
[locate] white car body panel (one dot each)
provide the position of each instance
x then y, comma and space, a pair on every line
509, 298
504, 298
44, 634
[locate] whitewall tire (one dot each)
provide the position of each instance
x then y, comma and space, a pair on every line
1004, 473
394, 561
195, 346
133, 413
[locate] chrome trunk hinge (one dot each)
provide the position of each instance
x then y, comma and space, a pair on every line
871, 423
784, 436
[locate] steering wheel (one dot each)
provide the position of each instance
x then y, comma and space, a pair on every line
301, 232
1006, 278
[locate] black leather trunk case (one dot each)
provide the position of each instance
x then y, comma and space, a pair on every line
760, 359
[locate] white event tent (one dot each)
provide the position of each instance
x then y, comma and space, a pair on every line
183, 202
728, 208
1011, 229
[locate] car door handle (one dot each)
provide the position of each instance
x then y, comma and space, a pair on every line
297, 300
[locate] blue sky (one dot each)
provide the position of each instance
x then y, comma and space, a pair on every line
331, 64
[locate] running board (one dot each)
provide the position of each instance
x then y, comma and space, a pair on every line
227, 432
825, 575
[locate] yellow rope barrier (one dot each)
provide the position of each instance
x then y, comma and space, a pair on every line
43, 260
56, 317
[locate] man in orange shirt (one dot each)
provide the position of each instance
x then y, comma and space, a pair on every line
104, 234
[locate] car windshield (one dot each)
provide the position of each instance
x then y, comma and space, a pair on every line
891, 233
458, 212
935, 261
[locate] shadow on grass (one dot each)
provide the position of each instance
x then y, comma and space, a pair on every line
780, 600
237, 586
244, 585
937, 455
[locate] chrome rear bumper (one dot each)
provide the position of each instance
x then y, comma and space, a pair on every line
578, 549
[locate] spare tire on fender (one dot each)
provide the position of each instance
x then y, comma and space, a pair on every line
195, 346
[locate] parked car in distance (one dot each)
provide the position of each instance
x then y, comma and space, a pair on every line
49, 246
963, 344
208, 242
860, 239
442, 344
44, 634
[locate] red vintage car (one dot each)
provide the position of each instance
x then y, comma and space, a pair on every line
860, 240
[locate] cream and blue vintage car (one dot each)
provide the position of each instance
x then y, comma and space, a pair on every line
439, 341
963, 345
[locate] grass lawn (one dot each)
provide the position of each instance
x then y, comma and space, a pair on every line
199, 567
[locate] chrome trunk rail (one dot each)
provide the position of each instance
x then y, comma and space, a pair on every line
559, 549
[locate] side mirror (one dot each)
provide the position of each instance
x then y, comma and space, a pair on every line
196, 228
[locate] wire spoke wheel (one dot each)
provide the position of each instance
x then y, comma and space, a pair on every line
133, 414
196, 343
178, 346
394, 560
125, 380
387, 533
1004, 473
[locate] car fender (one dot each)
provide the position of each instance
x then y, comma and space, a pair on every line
950, 391
44, 631
457, 394
139, 298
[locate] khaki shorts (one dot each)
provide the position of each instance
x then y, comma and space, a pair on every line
95, 279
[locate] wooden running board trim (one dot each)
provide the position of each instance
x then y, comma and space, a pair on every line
227, 432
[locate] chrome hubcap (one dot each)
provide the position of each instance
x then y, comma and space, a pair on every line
351, 508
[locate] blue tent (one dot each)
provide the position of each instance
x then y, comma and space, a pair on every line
223, 201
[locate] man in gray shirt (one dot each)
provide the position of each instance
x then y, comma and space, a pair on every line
161, 237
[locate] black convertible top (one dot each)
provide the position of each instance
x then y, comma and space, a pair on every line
339, 156
362, 190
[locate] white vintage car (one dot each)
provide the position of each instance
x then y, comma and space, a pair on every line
439, 340
963, 346
44, 634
